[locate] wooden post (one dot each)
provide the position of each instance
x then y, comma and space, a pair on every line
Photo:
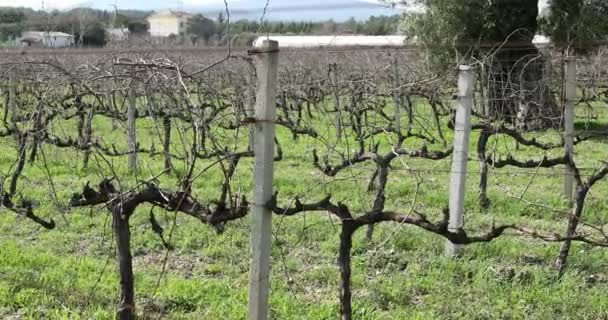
131, 129
86, 136
462, 130
109, 100
333, 77
12, 96
167, 142
483, 99
569, 105
263, 150
397, 95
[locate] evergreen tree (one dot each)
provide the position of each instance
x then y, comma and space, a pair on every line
505, 29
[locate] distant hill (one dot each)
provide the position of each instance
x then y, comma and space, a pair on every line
135, 13
285, 10
302, 10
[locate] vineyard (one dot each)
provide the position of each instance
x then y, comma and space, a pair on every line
132, 181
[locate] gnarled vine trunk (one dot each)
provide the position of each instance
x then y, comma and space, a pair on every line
346, 243
120, 222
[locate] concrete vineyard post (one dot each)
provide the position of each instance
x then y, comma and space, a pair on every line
569, 122
250, 102
263, 151
462, 130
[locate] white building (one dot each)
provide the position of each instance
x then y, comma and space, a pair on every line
47, 39
168, 22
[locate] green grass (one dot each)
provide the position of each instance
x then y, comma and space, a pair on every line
70, 272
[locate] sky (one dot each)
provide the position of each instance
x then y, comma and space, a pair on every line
338, 10
315, 10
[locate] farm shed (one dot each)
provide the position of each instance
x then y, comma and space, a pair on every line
50, 39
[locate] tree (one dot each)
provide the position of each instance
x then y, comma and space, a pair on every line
94, 36
137, 27
475, 28
328, 27
381, 25
221, 28
201, 27
578, 24
503, 29
11, 23
120, 21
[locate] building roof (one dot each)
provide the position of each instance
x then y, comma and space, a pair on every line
30, 39
354, 41
170, 13
40, 34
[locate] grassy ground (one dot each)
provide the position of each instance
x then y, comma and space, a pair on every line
70, 272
